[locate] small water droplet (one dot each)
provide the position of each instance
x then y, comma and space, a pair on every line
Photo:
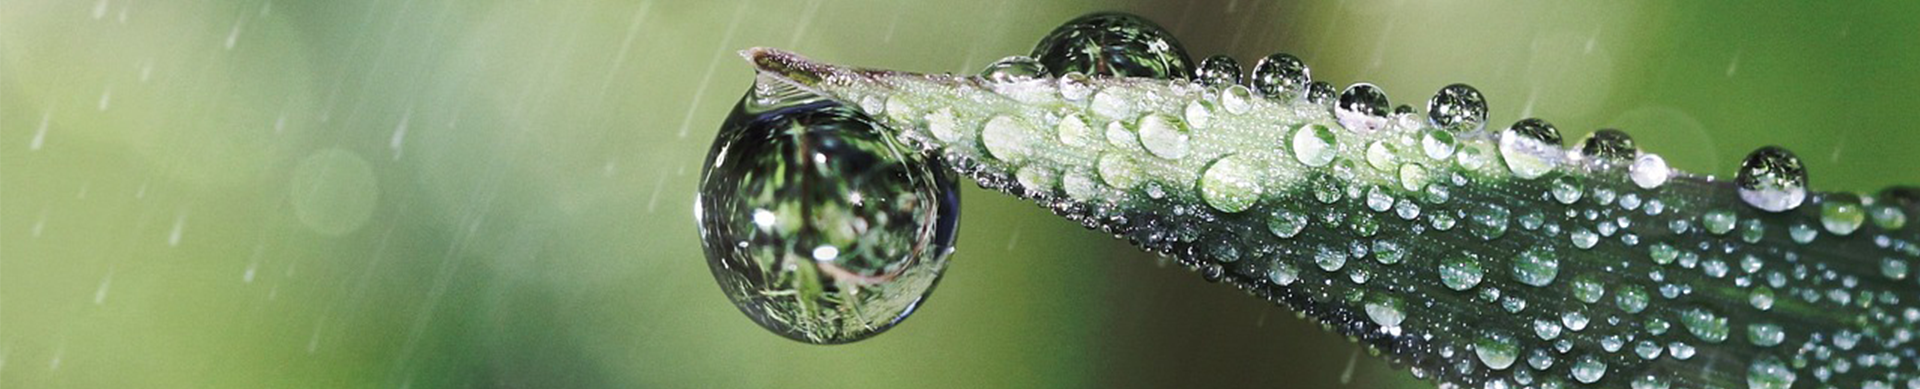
1488, 223
1457, 108
1218, 71
1888, 217
1113, 44
1761, 298
1231, 184
1321, 93
1330, 258
1283, 274
1413, 177
1281, 76
1074, 86
1609, 146
1073, 130
1362, 108
1765, 334
1719, 221
1841, 214
1388, 252
1015, 68
1537, 266
1529, 148
1199, 114
1772, 179
1314, 145
1588, 289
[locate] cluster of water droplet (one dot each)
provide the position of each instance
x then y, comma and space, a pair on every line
1456, 248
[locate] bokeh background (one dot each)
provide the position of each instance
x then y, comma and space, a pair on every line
447, 193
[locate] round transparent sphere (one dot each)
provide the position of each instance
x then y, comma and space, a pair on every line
817, 224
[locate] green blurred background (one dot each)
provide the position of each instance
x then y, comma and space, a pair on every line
442, 193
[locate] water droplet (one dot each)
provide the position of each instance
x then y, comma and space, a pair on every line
1766, 334
1537, 266
1286, 223
944, 125
1320, 92
1545, 329
1016, 68
1461, 272
779, 225
1381, 156
1281, 76
1566, 189
1893, 268
1199, 114
1497, 349
1609, 146
1074, 131
1488, 223
1074, 86
1589, 369
1413, 177
1888, 217
1649, 381
1841, 214
1119, 171
1384, 310
1575, 321
1112, 104
1718, 221
1314, 145
1457, 108
1530, 147
1283, 274
1768, 372
1362, 108
1007, 138
1236, 99
1761, 298
1113, 44
1330, 259
1325, 187
1387, 252
1540, 359
1705, 324
1163, 136
1231, 184
1438, 144
1802, 233
1772, 180
1218, 71
1588, 289
1648, 350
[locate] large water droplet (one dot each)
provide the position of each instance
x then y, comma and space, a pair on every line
1460, 272
1014, 69
817, 224
1457, 108
1314, 145
1609, 146
1497, 349
1231, 184
1281, 76
1537, 266
1218, 71
1768, 372
1530, 147
1362, 108
1116, 45
1772, 179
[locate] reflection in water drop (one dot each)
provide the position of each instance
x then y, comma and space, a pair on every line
817, 224
1218, 71
1362, 108
1529, 148
1014, 69
1772, 179
1457, 107
1116, 45
1281, 76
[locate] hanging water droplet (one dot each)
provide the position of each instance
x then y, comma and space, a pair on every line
1772, 180
1609, 146
1529, 148
817, 224
1588, 369
1457, 108
1460, 272
1768, 372
1537, 266
1163, 136
1314, 145
1281, 76
1218, 71
1320, 92
1113, 44
1497, 349
1841, 214
1231, 184
1362, 108
1014, 69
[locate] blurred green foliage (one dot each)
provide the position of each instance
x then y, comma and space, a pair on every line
445, 193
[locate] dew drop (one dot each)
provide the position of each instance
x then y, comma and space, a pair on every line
1588, 289
1765, 334
1768, 372
1529, 147
1413, 177
1497, 349
1888, 217
1566, 189
1772, 179
1283, 274
1457, 108
777, 179
1074, 86
1011, 69
943, 125
1387, 252
1362, 108
1589, 369
1719, 221
1631, 299
1321, 93
1438, 144
1384, 310
1236, 99
1314, 145
1381, 156
1488, 223
1286, 223
1218, 71
1281, 76
1704, 324
1119, 171
1231, 184
1761, 298
1073, 130
1113, 44
1537, 266
1007, 138
1841, 214
1460, 272
1164, 136
1199, 113
1330, 259
1609, 146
